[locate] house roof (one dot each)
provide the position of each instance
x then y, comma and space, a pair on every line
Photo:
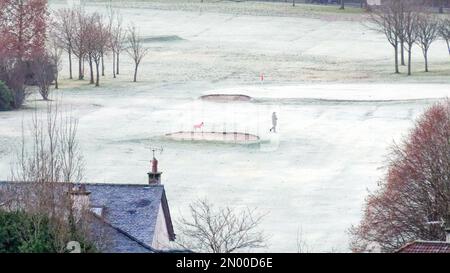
130, 212
117, 241
133, 208
425, 247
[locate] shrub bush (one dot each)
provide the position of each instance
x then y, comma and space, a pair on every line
6, 98
21, 232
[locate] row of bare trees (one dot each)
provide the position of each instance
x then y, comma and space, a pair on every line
91, 37
406, 23
32, 45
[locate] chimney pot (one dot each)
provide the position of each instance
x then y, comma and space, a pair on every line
154, 165
154, 177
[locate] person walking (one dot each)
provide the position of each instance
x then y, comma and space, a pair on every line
274, 123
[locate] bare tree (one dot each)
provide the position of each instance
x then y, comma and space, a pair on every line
409, 34
54, 154
441, 6
387, 20
100, 39
64, 26
302, 246
91, 41
427, 28
55, 53
223, 230
117, 38
112, 16
363, 4
80, 39
135, 49
44, 73
119, 48
400, 10
444, 32
47, 165
415, 191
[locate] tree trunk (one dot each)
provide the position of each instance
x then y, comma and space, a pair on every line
448, 45
293, 3
135, 73
103, 65
70, 63
56, 81
425, 56
44, 92
396, 59
80, 68
84, 60
114, 64
117, 68
402, 51
91, 70
409, 59
342, 4
97, 80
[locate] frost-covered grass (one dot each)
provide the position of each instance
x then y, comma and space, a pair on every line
329, 79
313, 175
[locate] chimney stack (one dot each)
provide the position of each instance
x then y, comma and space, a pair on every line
154, 177
80, 199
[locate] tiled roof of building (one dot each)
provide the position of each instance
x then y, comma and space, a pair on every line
117, 240
133, 208
426, 247
129, 212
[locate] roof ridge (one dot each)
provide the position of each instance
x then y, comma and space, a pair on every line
98, 184
122, 184
432, 242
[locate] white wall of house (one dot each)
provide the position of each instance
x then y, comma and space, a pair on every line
161, 235
373, 2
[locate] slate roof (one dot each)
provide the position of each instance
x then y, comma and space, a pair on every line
426, 247
118, 241
129, 212
133, 208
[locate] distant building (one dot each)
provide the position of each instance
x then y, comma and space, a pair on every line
374, 2
429, 246
431, 3
425, 247
136, 217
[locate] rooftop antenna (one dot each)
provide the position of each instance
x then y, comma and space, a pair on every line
156, 149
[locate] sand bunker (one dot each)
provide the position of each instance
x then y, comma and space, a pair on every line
162, 39
224, 137
226, 97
